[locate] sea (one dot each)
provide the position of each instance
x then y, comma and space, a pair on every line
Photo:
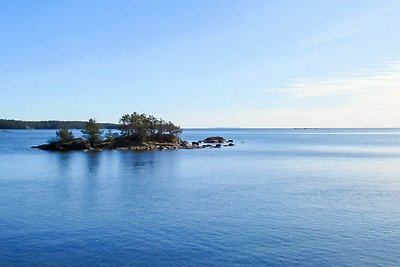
279, 197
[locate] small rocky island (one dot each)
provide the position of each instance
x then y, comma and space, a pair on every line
136, 132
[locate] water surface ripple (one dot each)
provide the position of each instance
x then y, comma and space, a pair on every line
280, 197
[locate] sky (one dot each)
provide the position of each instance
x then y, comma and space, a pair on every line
207, 63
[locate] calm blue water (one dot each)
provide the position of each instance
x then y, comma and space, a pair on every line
280, 197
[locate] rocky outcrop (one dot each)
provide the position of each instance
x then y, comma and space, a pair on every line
81, 144
195, 144
77, 144
213, 139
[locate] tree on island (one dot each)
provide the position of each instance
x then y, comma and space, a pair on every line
134, 126
64, 135
141, 128
137, 131
92, 132
110, 136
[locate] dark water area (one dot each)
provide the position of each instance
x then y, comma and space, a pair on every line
297, 197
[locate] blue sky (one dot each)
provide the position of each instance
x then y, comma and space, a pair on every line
203, 63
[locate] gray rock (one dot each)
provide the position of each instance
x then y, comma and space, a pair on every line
213, 139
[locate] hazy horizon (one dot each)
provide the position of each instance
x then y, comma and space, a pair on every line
211, 128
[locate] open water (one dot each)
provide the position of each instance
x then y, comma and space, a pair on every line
298, 197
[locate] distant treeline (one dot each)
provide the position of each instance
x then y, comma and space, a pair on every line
18, 124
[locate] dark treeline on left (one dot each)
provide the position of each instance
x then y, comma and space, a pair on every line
18, 124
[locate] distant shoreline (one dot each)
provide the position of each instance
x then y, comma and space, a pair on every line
12, 124
6, 124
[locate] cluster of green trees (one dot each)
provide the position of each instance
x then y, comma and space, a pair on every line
65, 135
142, 127
134, 128
18, 124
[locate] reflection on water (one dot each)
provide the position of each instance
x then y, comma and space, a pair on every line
93, 162
277, 198
63, 161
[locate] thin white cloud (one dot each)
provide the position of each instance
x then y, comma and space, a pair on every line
385, 80
362, 98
